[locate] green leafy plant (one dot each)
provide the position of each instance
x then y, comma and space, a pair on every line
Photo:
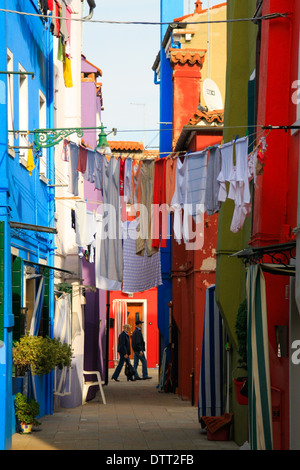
26, 411
41, 355
241, 332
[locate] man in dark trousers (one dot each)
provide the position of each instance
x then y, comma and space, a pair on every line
138, 346
123, 350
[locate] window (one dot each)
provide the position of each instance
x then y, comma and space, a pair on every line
23, 113
10, 103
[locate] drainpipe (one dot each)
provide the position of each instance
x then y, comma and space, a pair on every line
6, 404
107, 335
193, 385
51, 195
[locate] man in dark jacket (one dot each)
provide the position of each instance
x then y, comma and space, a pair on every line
138, 346
124, 351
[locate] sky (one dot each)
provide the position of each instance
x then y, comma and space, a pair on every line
125, 54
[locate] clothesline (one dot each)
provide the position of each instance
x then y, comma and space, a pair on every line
189, 187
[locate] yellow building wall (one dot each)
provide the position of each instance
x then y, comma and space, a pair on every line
212, 38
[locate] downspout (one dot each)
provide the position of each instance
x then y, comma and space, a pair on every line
50, 175
107, 336
6, 402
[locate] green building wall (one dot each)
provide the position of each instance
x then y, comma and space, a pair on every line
230, 274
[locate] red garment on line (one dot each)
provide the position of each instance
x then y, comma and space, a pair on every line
160, 213
122, 167
82, 159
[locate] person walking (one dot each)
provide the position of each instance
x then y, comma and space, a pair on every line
138, 346
124, 351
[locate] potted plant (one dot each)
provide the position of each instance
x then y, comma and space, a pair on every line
26, 412
241, 383
40, 355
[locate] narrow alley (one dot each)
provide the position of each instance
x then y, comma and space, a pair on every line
135, 417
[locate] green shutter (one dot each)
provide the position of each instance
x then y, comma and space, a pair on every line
1, 281
17, 298
44, 330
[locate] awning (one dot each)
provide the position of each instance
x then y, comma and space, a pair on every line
280, 256
25, 261
259, 382
210, 401
34, 228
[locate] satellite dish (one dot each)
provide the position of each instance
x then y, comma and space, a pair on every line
212, 95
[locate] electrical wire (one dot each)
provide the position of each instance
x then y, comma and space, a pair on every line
144, 23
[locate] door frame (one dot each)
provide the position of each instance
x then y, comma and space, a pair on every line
144, 328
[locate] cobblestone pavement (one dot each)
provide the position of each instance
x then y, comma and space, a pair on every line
136, 417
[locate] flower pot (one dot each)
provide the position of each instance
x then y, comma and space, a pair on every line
238, 384
17, 385
220, 435
26, 428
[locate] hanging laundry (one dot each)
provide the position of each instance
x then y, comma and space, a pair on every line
196, 185
111, 253
89, 174
212, 203
30, 166
101, 281
171, 165
73, 164
98, 170
64, 30
55, 21
60, 50
135, 182
82, 158
67, 73
85, 225
160, 210
127, 180
81, 224
227, 170
140, 273
242, 178
252, 163
43, 6
122, 169
179, 200
242, 197
146, 201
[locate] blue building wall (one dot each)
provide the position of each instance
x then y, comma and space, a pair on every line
24, 198
170, 9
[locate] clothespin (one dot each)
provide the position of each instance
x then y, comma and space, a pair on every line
221, 144
236, 138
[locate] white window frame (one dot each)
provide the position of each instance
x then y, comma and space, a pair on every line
296, 95
43, 125
10, 102
23, 114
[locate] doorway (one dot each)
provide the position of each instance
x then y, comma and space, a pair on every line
135, 312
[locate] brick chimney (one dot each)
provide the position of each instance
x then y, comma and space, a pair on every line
198, 6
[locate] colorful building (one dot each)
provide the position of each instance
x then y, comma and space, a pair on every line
27, 196
196, 127
266, 244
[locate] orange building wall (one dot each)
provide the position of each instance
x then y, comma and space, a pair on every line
151, 335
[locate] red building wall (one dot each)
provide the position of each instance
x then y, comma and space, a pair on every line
193, 271
275, 200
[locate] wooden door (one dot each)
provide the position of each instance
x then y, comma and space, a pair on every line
134, 313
